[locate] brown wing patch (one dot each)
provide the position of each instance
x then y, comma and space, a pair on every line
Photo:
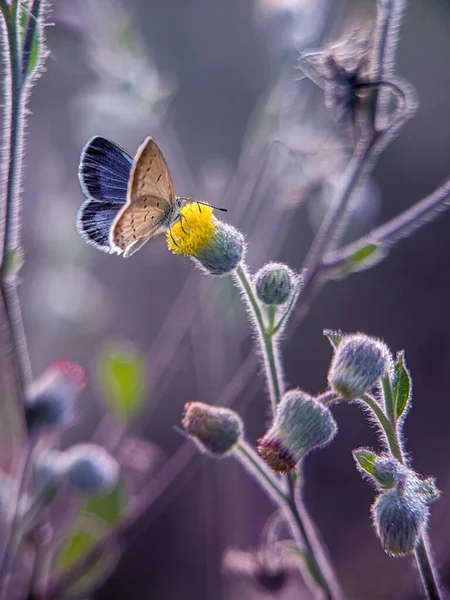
150, 175
138, 220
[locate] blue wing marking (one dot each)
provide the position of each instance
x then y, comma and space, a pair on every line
104, 171
94, 220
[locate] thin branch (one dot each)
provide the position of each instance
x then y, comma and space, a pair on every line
402, 226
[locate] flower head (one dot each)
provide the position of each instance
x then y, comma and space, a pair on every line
301, 424
193, 231
215, 429
216, 247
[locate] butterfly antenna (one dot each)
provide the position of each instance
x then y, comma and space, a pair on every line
210, 205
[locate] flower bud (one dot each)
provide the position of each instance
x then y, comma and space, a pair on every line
358, 363
215, 429
224, 251
275, 283
50, 399
301, 424
216, 247
399, 517
91, 469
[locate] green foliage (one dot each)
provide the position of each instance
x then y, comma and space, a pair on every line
401, 386
110, 507
121, 373
84, 536
365, 460
37, 41
363, 258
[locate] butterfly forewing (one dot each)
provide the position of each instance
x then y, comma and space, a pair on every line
151, 205
104, 170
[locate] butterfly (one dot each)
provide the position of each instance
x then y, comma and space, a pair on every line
129, 201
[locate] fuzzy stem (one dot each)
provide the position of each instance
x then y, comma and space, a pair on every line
396, 229
270, 358
303, 528
333, 219
257, 467
426, 570
388, 429
421, 552
300, 531
13, 537
15, 120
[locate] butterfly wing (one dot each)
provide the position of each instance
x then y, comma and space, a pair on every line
94, 220
104, 170
151, 202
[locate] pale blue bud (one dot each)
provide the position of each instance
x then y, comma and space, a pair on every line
91, 469
358, 363
301, 425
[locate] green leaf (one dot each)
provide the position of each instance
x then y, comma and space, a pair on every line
83, 537
365, 460
401, 386
109, 507
35, 50
363, 258
36, 43
334, 337
121, 375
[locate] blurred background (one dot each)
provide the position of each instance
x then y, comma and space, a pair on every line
215, 83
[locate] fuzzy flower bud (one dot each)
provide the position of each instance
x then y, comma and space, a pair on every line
301, 424
91, 469
215, 429
275, 283
358, 363
216, 247
399, 518
50, 399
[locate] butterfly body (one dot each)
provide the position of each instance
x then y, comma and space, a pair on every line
129, 201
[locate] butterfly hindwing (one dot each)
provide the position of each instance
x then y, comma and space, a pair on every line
141, 219
104, 170
94, 220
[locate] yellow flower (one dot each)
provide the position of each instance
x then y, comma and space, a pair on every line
193, 231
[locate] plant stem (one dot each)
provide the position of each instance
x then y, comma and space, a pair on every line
388, 429
270, 357
333, 219
12, 541
248, 457
302, 526
396, 229
426, 570
421, 552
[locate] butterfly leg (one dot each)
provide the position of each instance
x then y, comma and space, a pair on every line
171, 235
181, 217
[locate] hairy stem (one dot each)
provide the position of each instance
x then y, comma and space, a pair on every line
388, 429
270, 357
396, 229
426, 570
301, 524
333, 219
421, 552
